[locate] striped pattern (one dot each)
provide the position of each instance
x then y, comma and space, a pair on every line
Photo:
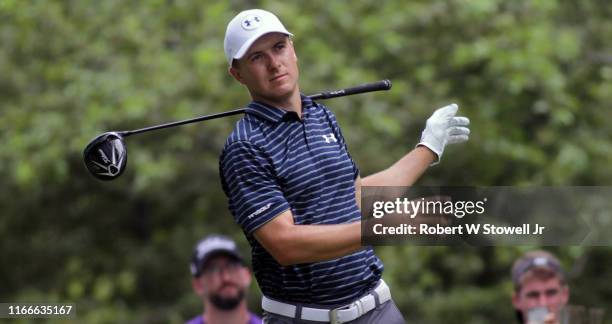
273, 161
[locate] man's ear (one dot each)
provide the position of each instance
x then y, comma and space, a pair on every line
566, 293
247, 276
293, 47
515, 300
236, 74
197, 286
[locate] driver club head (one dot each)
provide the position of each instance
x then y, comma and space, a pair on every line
106, 156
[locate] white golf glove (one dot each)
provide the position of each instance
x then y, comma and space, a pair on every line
444, 128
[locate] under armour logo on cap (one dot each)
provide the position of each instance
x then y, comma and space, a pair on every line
251, 22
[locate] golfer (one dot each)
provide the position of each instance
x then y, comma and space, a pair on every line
295, 190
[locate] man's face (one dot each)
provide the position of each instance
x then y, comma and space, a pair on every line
269, 68
549, 293
224, 282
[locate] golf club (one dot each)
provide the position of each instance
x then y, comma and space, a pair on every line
106, 155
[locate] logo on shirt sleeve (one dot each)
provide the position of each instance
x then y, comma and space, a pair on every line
260, 210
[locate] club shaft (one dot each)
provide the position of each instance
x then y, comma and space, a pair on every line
182, 122
368, 87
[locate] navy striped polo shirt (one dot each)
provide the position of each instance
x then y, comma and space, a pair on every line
272, 162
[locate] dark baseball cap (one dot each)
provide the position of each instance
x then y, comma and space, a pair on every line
209, 247
536, 259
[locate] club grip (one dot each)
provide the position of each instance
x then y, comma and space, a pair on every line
368, 87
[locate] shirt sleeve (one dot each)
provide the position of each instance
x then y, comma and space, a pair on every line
249, 181
341, 141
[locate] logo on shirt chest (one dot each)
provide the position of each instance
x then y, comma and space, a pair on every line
329, 138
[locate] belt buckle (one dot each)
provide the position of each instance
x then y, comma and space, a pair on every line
333, 314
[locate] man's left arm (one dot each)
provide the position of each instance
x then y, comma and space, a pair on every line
404, 172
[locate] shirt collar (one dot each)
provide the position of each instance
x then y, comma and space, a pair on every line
274, 114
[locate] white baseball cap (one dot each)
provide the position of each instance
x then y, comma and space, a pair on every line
246, 28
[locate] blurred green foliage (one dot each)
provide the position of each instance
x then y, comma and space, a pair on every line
535, 78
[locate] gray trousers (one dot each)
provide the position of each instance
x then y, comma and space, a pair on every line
386, 313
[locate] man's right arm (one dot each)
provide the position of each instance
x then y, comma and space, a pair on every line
291, 244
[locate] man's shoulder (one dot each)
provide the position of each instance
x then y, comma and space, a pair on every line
319, 106
323, 110
254, 319
247, 129
196, 320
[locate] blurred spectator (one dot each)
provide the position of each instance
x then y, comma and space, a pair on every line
221, 279
540, 288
